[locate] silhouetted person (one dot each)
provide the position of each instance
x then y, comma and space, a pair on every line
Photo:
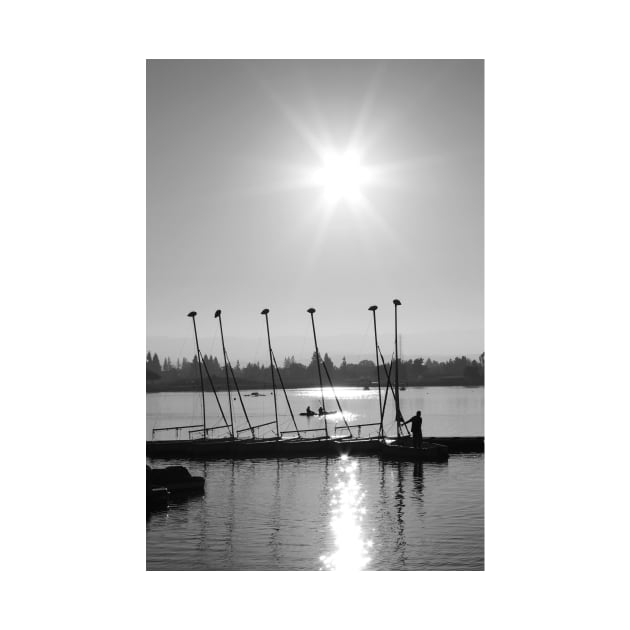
309, 412
321, 411
416, 429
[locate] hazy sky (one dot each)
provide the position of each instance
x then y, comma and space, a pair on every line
239, 220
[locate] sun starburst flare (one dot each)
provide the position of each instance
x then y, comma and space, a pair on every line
341, 176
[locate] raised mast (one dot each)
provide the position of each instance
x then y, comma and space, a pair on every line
378, 372
319, 370
397, 303
227, 375
265, 312
192, 315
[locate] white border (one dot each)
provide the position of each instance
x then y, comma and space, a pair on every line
556, 324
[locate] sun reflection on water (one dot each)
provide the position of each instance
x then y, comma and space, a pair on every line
347, 510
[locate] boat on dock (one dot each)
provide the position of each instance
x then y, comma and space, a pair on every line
295, 442
245, 449
399, 448
465, 444
201, 432
430, 452
290, 448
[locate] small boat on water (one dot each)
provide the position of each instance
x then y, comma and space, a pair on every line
172, 482
157, 498
318, 413
176, 479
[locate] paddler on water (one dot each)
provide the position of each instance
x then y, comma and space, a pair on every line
416, 429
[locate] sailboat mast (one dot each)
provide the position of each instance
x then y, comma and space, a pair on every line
192, 315
378, 371
227, 375
397, 303
285, 394
319, 369
265, 312
216, 396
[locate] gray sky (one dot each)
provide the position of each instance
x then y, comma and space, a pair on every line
237, 220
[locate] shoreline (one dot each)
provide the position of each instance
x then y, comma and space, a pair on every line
154, 388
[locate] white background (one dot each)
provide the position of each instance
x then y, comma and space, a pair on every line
73, 261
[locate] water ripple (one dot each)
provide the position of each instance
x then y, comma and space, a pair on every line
333, 514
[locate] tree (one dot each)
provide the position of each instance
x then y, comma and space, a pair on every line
343, 368
155, 364
365, 369
472, 375
312, 366
153, 367
185, 369
214, 366
329, 364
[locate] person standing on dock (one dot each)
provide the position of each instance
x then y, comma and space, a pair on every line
416, 429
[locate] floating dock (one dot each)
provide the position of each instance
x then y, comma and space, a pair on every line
434, 449
399, 448
454, 444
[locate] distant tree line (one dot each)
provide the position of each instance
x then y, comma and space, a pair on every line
184, 375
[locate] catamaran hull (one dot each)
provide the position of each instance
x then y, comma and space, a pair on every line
246, 449
428, 453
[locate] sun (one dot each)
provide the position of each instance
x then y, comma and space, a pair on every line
341, 176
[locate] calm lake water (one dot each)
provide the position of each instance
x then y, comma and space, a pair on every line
447, 411
326, 513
